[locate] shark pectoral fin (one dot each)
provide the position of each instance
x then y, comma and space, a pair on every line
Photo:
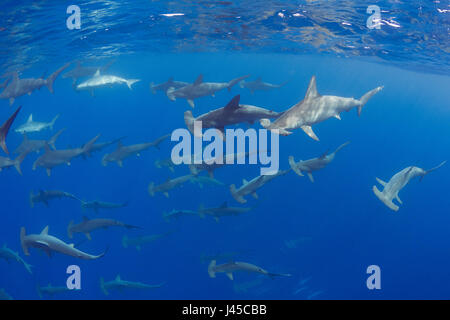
120, 163
255, 195
337, 116
49, 172
191, 103
138, 154
381, 182
309, 131
88, 235
29, 93
166, 194
310, 176
229, 275
217, 219
398, 199
68, 163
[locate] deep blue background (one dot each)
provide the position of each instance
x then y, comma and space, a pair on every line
348, 227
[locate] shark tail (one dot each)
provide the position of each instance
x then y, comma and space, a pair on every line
18, 161
151, 189
340, 147
383, 199
437, 167
234, 81
170, 94
189, 121
52, 140
4, 129
22, 241
363, 100
39, 291
87, 147
125, 242
69, 229
102, 286
235, 195
27, 267
152, 87
211, 267
31, 199
130, 82
53, 121
51, 79
294, 166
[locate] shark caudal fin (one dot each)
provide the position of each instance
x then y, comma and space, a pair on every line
340, 147
211, 267
31, 197
102, 287
234, 81
130, 82
52, 140
28, 267
125, 242
152, 87
4, 129
384, 199
235, 195
22, 241
51, 79
366, 98
437, 167
294, 166
69, 229
189, 121
87, 146
18, 161
170, 94
53, 121
151, 189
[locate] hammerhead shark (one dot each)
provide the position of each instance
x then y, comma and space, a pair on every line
89, 225
10, 255
170, 83
97, 205
98, 81
28, 146
313, 109
140, 241
232, 113
168, 185
51, 290
259, 85
119, 284
45, 196
175, 214
50, 244
35, 126
397, 182
4, 129
200, 89
53, 158
250, 187
314, 164
122, 152
100, 146
19, 87
84, 71
7, 163
222, 211
229, 268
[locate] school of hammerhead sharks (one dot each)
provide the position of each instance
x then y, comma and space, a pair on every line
313, 109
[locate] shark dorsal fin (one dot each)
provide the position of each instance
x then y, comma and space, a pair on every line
244, 181
97, 73
30, 118
312, 89
224, 205
199, 80
44, 232
323, 155
118, 277
234, 103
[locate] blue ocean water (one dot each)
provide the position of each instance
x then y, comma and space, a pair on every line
337, 225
